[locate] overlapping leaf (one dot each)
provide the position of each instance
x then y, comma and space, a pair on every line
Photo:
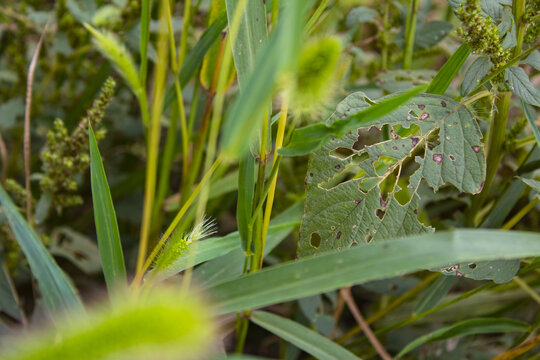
440, 134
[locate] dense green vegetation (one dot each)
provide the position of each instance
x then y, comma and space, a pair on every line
294, 179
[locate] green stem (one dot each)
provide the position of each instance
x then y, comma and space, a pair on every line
386, 27
497, 131
409, 34
274, 15
525, 287
315, 17
185, 29
146, 10
520, 215
153, 142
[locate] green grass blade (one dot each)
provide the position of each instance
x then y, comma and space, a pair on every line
304, 338
435, 293
311, 137
56, 289
448, 72
356, 265
279, 53
252, 35
110, 246
246, 188
468, 327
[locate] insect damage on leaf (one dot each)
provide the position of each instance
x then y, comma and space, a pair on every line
352, 193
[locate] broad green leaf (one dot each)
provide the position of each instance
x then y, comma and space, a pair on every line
304, 338
81, 250
196, 55
312, 137
360, 15
159, 325
474, 74
531, 116
230, 265
519, 84
110, 246
534, 60
277, 55
435, 293
498, 270
430, 34
57, 291
340, 212
357, 265
402, 80
448, 72
534, 184
468, 327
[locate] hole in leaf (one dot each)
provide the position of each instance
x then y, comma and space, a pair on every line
341, 153
380, 213
393, 287
315, 240
368, 238
452, 157
472, 266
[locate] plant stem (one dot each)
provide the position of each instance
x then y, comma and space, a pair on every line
270, 198
409, 34
316, 15
146, 10
185, 30
497, 130
525, 287
386, 26
521, 213
274, 15
5, 159
394, 304
153, 141
170, 142
27, 138
346, 293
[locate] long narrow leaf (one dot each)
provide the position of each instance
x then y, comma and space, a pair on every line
56, 289
276, 55
468, 327
110, 247
448, 72
306, 339
435, 293
356, 265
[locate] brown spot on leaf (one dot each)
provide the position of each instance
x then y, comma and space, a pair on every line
452, 157
476, 148
443, 103
337, 166
424, 116
437, 158
394, 147
415, 141
421, 107
357, 201
338, 235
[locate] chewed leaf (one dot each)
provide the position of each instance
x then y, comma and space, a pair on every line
351, 187
400, 80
